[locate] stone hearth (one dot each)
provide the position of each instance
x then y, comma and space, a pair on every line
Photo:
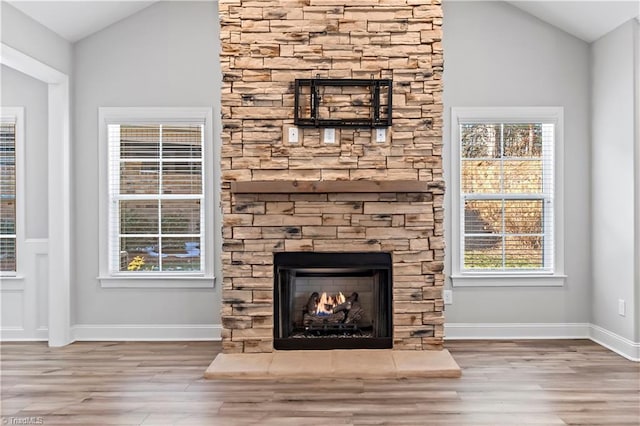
354, 195
335, 365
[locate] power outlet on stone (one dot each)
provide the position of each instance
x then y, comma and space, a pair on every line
293, 135
329, 135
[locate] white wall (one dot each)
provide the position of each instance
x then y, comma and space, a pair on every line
497, 55
613, 199
165, 55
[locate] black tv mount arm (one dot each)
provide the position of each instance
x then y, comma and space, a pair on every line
379, 114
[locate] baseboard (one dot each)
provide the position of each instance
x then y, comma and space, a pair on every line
616, 343
18, 334
145, 332
453, 331
472, 331
513, 331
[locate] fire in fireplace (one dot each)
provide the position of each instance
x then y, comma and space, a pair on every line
332, 300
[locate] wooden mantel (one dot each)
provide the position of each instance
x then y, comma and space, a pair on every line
325, 186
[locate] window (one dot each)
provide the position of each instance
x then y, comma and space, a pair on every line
506, 194
11, 190
158, 192
8, 210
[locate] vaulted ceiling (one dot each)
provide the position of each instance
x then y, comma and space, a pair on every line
587, 20
75, 20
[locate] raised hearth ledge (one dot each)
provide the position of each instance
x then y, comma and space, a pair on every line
331, 186
334, 364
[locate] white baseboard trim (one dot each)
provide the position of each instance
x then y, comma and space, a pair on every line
453, 331
146, 332
472, 331
508, 331
616, 343
19, 334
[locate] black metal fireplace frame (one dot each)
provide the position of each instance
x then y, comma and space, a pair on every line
286, 261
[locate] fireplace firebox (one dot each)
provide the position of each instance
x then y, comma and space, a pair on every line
332, 300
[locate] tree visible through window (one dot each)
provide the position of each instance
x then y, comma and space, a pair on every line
506, 190
7, 197
157, 198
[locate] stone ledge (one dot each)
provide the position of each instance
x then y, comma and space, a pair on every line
334, 364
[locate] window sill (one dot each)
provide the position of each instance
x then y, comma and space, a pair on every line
163, 281
11, 282
508, 280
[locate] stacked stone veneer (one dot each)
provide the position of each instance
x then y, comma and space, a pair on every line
265, 46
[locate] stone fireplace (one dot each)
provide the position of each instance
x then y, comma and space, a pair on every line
357, 195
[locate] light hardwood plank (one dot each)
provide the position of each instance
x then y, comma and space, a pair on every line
161, 383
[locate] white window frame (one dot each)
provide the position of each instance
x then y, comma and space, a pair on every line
467, 278
16, 115
157, 115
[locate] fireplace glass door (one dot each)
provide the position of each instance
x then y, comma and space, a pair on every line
332, 300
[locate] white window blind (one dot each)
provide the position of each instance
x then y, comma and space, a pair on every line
8, 196
156, 195
506, 196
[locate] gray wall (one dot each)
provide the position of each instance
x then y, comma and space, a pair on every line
165, 55
26, 35
19, 89
613, 199
497, 55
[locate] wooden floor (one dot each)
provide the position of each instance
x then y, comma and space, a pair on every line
503, 383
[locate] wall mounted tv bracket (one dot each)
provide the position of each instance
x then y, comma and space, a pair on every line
370, 108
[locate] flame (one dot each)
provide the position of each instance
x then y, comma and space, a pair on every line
327, 303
